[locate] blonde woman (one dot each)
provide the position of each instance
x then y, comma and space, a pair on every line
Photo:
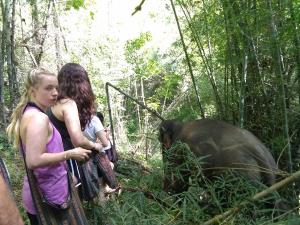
31, 129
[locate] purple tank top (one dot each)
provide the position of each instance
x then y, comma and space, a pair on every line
52, 180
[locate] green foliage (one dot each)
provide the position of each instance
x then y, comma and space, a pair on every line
153, 81
92, 14
97, 213
76, 4
132, 127
143, 201
187, 110
219, 34
168, 86
133, 47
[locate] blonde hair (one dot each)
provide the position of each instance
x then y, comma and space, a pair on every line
13, 129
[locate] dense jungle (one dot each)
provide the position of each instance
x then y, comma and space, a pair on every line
232, 60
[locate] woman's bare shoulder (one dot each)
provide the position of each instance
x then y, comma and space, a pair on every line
64, 105
66, 102
35, 115
34, 119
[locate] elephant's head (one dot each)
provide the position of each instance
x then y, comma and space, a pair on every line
168, 132
168, 135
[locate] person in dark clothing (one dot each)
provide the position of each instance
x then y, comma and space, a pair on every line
73, 110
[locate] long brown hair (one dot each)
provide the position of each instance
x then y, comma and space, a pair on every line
74, 83
13, 129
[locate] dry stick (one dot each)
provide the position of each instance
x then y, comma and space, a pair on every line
256, 197
138, 8
136, 101
31, 55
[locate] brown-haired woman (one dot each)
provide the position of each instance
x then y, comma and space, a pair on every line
73, 110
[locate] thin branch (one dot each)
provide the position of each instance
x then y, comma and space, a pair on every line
31, 55
138, 8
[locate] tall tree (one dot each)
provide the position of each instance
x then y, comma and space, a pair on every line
40, 27
57, 37
3, 34
277, 55
8, 62
11, 59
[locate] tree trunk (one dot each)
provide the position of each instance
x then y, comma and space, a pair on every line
7, 41
57, 37
40, 26
13, 69
296, 43
242, 89
3, 33
234, 66
279, 73
137, 106
146, 119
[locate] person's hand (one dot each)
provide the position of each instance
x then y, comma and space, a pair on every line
79, 154
98, 146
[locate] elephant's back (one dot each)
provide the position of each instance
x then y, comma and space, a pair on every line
221, 132
228, 146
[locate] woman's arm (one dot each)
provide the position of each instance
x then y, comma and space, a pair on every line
99, 130
71, 119
37, 134
101, 135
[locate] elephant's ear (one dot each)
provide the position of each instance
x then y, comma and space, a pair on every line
167, 141
169, 129
166, 138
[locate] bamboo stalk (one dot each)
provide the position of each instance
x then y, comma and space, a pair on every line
256, 197
277, 56
206, 59
188, 61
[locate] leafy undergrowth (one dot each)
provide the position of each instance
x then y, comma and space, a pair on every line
143, 202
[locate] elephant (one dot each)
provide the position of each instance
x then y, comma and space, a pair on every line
220, 146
